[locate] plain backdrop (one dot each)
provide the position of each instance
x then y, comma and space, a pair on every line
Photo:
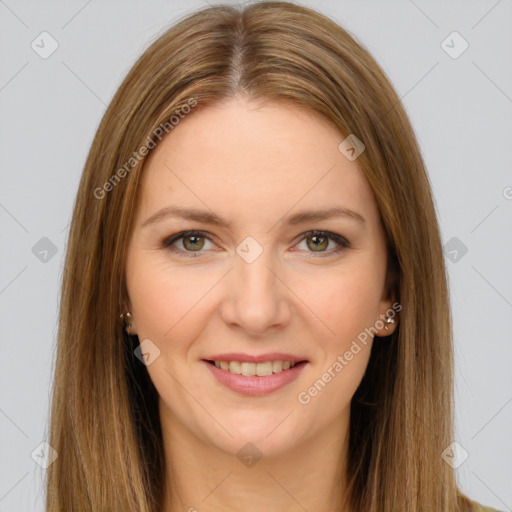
460, 103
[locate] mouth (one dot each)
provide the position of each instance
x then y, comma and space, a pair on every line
255, 379
250, 369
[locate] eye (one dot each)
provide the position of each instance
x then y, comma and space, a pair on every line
193, 241
320, 241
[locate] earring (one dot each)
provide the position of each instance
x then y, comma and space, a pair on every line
128, 316
389, 320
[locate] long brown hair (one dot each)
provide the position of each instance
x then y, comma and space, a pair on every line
104, 417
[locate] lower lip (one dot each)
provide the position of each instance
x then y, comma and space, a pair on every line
254, 385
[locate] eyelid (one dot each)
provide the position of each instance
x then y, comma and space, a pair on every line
341, 241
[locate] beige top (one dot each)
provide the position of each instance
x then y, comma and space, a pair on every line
482, 508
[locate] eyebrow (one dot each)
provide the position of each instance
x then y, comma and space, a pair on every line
213, 219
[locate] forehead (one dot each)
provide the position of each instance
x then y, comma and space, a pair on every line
245, 158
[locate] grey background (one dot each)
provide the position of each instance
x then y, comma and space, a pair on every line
460, 108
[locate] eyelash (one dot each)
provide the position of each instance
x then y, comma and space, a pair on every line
341, 241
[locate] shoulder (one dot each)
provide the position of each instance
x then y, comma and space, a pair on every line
481, 508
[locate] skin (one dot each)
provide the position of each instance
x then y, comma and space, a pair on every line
254, 164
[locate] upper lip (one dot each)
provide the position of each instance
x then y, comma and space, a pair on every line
262, 358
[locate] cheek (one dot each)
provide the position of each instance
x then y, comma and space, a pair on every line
346, 302
151, 298
348, 305
165, 300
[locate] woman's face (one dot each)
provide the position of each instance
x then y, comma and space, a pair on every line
257, 283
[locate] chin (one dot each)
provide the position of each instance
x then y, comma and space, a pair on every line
269, 436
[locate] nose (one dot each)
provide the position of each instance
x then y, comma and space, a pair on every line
256, 298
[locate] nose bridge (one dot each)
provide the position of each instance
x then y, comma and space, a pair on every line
257, 300
254, 273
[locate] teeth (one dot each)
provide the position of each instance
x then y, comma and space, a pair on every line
234, 367
249, 369
277, 366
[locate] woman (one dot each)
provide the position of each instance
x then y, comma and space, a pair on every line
256, 210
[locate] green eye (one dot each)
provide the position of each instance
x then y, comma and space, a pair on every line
194, 241
319, 242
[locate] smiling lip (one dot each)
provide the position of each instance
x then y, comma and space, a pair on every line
255, 385
263, 358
